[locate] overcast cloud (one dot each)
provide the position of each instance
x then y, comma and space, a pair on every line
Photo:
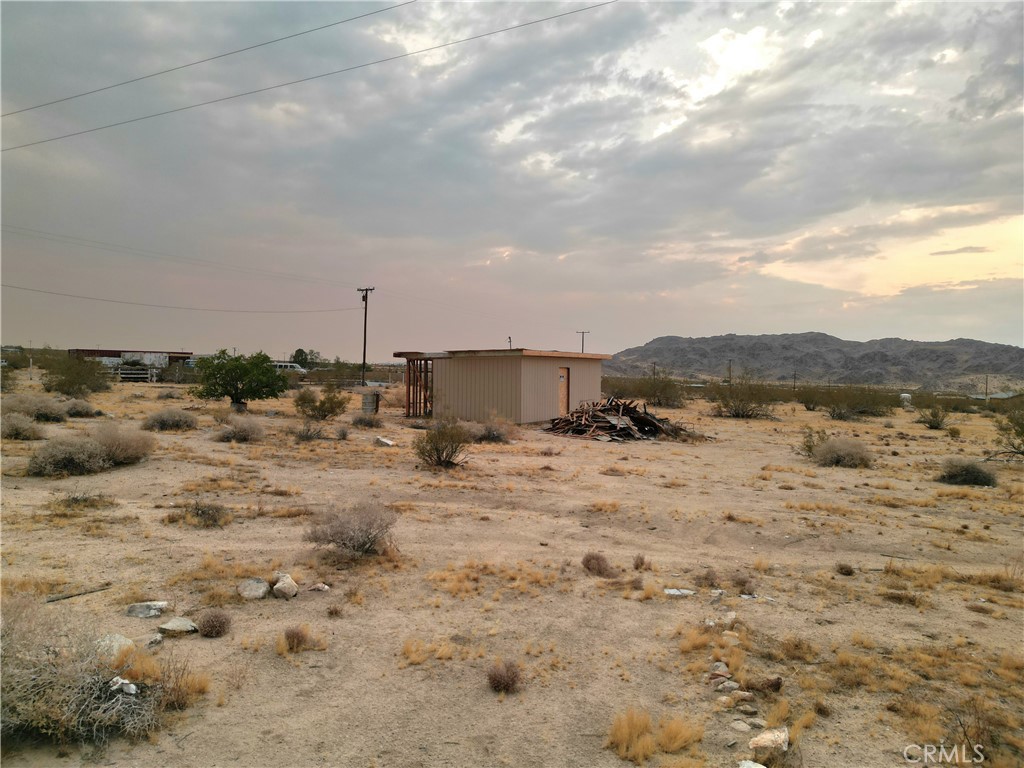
634, 170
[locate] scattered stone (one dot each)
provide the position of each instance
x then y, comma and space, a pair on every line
776, 738
109, 646
717, 592
749, 764
148, 609
253, 589
758, 723
149, 641
126, 686
742, 696
746, 709
383, 441
178, 626
720, 668
319, 587
284, 586
727, 687
725, 701
731, 743
679, 592
739, 725
748, 597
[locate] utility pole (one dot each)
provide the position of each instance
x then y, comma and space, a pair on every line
794, 381
30, 359
730, 371
366, 310
510, 342
583, 335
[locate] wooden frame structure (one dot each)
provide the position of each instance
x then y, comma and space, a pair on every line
419, 386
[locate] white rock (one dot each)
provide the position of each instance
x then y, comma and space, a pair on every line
148, 609
178, 626
253, 589
679, 592
739, 725
749, 764
384, 442
284, 586
727, 687
125, 685
109, 646
319, 587
776, 738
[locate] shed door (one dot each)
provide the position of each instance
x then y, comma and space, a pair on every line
563, 391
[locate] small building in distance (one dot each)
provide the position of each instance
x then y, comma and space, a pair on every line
521, 385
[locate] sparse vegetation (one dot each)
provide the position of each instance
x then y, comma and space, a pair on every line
321, 408
214, 623
841, 452
631, 737
443, 445
597, 564
201, 514
310, 430
934, 417
75, 377
1010, 429
36, 406
492, 431
240, 429
18, 426
297, 639
170, 419
743, 398
123, 446
656, 390
504, 677
80, 409
965, 472
65, 456
367, 421
365, 529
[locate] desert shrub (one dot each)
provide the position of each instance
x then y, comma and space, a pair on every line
953, 432
170, 419
8, 380
214, 623
742, 399
598, 565
310, 430
965, 472
841, 452
206, 514
65, 456
297, 639
75, 377
168, 394
80, 409
366, 421
18, 426
38, 407
1010, 433
853, 403
364, 529
56, 685
122, 447
342, 433
443, 445
492, 432
709, 579
504, 677
630, 736
845, 569
332, 403
933, 418
240, 429
660, 391
811, 440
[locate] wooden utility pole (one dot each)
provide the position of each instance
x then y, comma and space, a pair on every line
583, 335
366, 311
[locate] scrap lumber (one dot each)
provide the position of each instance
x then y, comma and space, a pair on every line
614, 420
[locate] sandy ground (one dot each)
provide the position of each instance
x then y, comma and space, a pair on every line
490, 567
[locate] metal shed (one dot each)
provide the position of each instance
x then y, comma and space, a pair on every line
521, 385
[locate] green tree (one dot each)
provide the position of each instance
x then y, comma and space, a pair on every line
301, 358
238, 377
75, 377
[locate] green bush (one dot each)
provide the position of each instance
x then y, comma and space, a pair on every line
239, 378
18, 426
75, 377
1010, 433
443, 444
660, 391
323, 408
933, 418
65, 456
841, 452
170, 419
965, 472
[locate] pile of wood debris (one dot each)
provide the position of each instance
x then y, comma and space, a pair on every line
617, 420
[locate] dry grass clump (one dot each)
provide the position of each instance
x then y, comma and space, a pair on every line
365, 529
845, 569
708, 579
493, 431
214, 623
504, 677
675, 734
80, 409
201, 514
901, 597
18, 426
630, 736
170, 419
123, 446
240, 429
841, 452
696, 639
36, 407
642, 563
797, 649
367, 421
443, 445
965, 472
297, 639
65, 456
597, 564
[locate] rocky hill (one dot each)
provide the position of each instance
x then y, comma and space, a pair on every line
959, 364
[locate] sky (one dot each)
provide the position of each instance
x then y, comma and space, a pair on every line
634, 170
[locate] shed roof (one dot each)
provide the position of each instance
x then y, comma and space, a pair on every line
520, 352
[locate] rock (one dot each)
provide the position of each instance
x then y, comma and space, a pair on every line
284, 586
749, 764
149, 641
742, 696
253, 589
746, 709
109, 646
720, 668
148, 609
774, 739
383, 441
319, 587
758, 723
126, 686
727, 687
177, 627
739, 725
731, 743
725, 701
671, 592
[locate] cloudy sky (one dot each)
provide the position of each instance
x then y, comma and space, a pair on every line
635, 170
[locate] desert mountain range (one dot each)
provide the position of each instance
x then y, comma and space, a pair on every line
958, 364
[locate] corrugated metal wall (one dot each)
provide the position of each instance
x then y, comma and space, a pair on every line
540, 385
471, 388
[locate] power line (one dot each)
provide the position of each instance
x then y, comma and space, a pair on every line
203, 61
190, 309
313, 77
